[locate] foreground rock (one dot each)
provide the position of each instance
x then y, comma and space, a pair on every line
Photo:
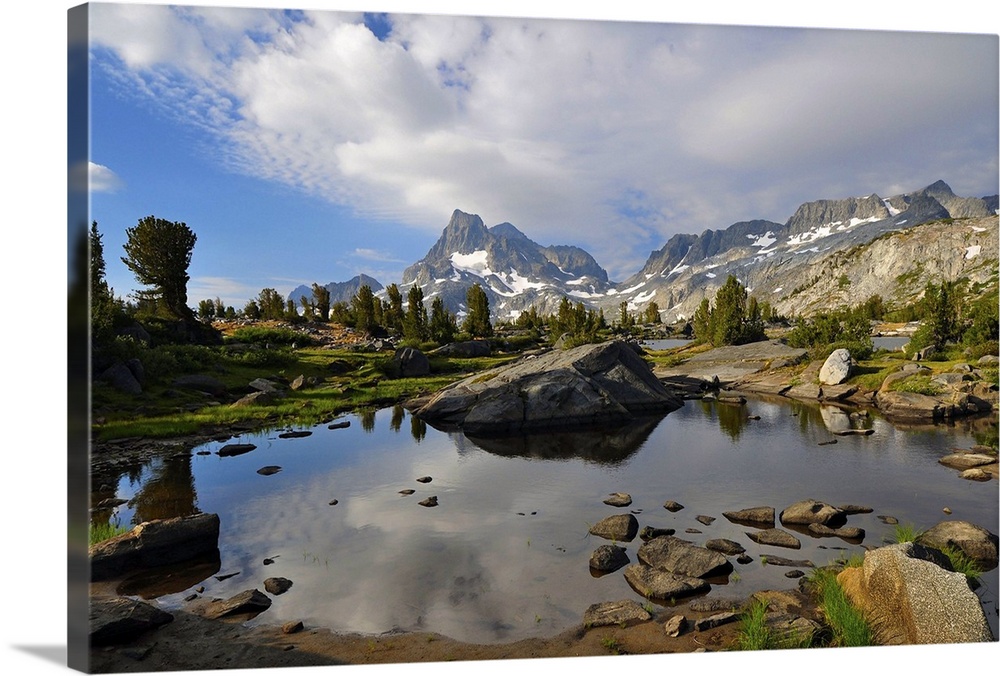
120, 620
584, 385
614, 613
908, 597
156, 543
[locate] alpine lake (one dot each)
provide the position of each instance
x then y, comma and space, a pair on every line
504, 554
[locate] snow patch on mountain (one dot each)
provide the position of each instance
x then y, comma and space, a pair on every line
474, 263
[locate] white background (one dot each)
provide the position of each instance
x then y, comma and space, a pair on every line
34, 268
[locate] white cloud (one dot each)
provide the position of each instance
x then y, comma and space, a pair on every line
556, 125
93, 177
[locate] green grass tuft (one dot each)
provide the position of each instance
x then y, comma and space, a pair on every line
905, 533
105, 531
962, 563
849, 627
754, 632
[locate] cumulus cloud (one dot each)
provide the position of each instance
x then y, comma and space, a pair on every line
568, 129
86, 176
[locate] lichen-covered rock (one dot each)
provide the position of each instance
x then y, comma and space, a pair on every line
908, 598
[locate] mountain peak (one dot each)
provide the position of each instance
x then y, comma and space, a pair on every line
938, 188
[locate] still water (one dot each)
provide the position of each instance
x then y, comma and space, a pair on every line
505, 554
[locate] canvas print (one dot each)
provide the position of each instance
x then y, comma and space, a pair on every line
414, 338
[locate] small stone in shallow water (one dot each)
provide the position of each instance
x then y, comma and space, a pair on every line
333, 502
673, 506
424, 480
885, 518
407, 491
618, 500
429, 502
269, 470
707, 520
946, 510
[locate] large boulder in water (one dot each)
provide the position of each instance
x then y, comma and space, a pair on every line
587, 384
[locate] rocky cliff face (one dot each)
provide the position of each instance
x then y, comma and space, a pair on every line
514, 271
829, 253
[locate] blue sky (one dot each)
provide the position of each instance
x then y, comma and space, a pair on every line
312, 146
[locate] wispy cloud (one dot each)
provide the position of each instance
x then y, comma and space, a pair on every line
377, 256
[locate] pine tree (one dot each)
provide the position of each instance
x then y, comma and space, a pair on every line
477, 322
415, 321
159, 252
442, 323
363, 309
321, 301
